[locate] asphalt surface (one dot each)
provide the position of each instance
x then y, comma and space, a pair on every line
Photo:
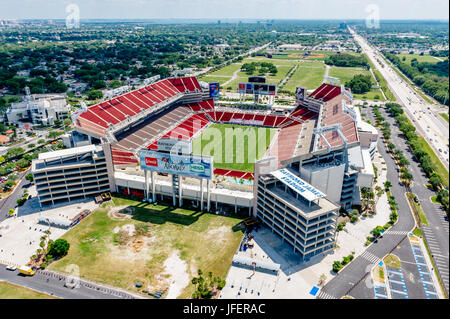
11, 201
437, 232
53, 284
411, 281
357, 270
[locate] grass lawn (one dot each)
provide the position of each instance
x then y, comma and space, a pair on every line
420, 58
346, 74
274, 61
392, 261
227, 70
222, 141
211, 78
12, 291
445, 116
434, 200
440, 168
372, 95
417, 232
418, 209
201, 240
309, 77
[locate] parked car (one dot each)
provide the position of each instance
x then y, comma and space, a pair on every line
11, 268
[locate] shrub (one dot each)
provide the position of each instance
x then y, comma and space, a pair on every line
337, 266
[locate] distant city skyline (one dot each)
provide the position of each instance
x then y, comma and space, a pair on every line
227, 9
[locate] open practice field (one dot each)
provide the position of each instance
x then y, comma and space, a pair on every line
298, 54
11, 291
127, 241
346, 74
310, 73
308, 77
420, 58
234, 147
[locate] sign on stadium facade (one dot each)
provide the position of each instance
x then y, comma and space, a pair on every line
168, 144
297, 184
188, 165
246, 122
214, 90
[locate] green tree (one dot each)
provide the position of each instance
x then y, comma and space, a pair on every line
59, 248
436, 181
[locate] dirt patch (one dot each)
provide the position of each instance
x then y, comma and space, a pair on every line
177, 269
121, 212
218, 234
295, 55
316, 56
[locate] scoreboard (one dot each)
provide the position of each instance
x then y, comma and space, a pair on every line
257, 88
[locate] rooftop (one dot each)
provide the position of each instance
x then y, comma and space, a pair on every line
67, 152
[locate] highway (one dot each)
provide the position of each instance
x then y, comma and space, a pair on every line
425, 116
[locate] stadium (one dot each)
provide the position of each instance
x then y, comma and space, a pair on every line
292, 169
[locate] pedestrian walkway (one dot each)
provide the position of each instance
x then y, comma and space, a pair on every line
396, 232
370, 257
397, 285
324, 295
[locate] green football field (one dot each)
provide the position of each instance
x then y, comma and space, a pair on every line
234, 147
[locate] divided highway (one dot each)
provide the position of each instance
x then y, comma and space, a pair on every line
424, 116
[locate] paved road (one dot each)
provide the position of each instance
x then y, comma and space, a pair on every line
356, 271
425, 116
11, 201
437, 232
53, 284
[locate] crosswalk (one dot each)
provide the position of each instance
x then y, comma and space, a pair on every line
370, 257
324, 295
396, 232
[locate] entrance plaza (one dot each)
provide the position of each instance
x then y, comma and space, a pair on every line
296, 278
20, 235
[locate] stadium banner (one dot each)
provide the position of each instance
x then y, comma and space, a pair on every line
188, 165
297, 184
246, 122
214, 90
167, 144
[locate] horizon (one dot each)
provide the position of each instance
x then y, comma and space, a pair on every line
415, 10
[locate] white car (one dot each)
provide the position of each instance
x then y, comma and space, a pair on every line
11, 267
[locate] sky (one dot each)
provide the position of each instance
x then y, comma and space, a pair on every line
226, 9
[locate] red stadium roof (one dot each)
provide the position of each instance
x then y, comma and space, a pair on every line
99, 117
325, 92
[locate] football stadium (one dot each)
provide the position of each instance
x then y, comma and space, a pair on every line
291, 168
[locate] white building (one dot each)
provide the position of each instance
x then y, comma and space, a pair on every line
43, 111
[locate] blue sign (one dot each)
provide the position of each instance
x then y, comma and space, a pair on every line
188, 165
214, 90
